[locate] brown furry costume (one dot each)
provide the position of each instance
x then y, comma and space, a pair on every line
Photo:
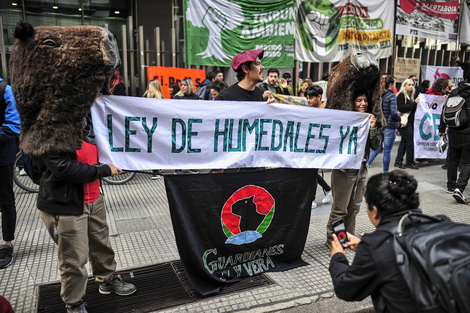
359, 71
57, 72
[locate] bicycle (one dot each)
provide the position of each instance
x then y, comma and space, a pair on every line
20, 177
120, 179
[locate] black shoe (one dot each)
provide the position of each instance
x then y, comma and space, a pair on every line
78, 307
399, 165
6, 256
412, 166
444, 167
458, 195
118, 287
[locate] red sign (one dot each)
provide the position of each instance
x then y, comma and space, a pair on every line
443, 9
170, 75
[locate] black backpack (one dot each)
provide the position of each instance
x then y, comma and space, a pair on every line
455, 112
433, 254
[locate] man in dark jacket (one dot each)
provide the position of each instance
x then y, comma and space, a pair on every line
72, 209
459, 143
9, 131
203, 89
271, 85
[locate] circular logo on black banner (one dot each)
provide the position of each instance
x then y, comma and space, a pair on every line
247, 214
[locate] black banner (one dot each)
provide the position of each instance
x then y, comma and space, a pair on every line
233, 225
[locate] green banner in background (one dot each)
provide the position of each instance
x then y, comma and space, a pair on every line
217, 30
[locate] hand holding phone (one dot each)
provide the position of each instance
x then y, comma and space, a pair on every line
340, 231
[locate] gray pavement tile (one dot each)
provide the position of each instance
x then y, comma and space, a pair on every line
141, 235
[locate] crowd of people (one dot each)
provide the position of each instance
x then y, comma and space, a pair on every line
348, 186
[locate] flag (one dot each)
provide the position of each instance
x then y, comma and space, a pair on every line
234, 225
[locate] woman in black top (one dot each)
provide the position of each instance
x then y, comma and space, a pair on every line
186, 91
374, 271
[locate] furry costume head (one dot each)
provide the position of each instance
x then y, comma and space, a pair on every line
57, 73
359, 71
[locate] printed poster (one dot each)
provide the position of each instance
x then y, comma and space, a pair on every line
426, 124
436, 19
433, 73
328, 31
217, 30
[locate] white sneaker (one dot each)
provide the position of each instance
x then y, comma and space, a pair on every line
23, 172
328, 197
314, 204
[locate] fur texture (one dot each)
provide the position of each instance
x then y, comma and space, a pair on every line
57, 73
359, 71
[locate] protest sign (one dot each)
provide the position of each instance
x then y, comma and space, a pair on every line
170, 75
328, 31
233, 225
141, 133
426, 127
428, 19
405, 67
433, 73
217, 30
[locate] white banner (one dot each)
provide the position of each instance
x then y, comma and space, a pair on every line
433, 19
433, 73
465, 25
427, 119
328, 31
140, 134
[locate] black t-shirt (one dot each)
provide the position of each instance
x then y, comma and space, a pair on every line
237, 93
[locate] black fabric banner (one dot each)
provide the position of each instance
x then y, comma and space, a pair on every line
233, 225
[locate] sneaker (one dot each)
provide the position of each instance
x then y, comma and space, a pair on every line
156, 176
328, 245
118, 287
458, 195
413, 166
6, 256
328, 197
450, 190
399, 165
78, 307
314, 204
23, 172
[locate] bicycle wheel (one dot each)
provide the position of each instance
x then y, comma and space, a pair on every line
21, 178
120, 179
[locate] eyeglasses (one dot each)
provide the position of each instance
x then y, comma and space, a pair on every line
415, 80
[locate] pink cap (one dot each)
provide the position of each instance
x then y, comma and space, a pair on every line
246, 56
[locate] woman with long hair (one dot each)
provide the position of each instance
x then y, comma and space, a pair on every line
389, 133
186, 91
306, 83
406, 104
154, 90
173, 89
116, 86
374, 270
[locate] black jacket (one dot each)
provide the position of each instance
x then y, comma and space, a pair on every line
373, 272
464, 91
389, 108
61, 185
406, 106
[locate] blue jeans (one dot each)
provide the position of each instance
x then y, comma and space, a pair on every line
389, 136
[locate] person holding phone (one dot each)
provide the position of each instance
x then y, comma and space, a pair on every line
374, 271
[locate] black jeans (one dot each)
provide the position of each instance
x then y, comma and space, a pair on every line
7, 202
459, 149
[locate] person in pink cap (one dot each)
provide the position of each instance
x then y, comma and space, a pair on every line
249, 71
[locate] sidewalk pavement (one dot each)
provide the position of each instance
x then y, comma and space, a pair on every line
142, 235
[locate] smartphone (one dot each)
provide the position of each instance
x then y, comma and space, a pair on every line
340, 231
